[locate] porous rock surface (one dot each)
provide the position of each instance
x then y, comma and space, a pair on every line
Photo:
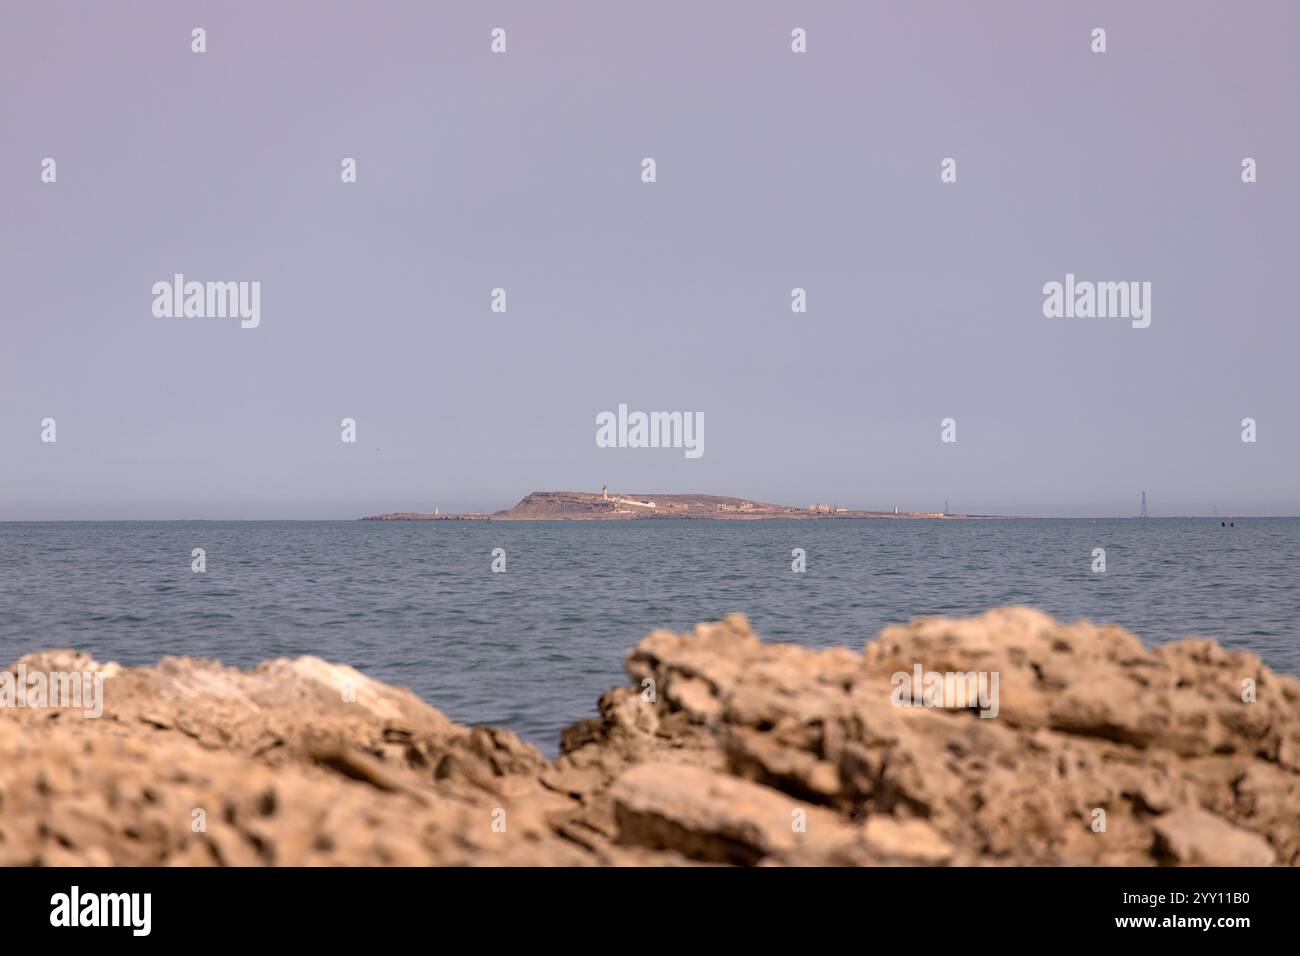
724, 750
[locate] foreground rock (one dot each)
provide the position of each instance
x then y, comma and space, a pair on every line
724, 750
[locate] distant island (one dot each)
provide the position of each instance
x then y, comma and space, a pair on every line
608, 506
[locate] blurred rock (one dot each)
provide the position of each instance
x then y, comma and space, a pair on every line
724, 750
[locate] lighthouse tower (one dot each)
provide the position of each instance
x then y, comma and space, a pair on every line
604, 491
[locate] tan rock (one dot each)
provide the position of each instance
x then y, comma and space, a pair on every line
722, 749
1192, 837
908, 841
716, 818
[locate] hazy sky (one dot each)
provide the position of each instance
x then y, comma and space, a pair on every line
523, 171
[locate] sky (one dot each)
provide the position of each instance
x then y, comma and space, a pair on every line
523, 170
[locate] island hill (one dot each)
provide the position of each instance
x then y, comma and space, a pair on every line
608, 506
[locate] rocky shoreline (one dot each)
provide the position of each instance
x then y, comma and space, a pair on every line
723, 749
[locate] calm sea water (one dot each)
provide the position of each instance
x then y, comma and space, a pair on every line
533, 648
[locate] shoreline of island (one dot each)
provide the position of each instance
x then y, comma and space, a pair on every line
607, 506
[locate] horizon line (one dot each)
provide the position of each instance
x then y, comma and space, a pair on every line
991, 517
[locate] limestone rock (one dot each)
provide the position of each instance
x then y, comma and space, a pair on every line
724, 749
1193, 837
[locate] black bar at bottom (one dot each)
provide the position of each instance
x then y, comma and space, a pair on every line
334, 906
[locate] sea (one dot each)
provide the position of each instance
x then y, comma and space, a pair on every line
534, 646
